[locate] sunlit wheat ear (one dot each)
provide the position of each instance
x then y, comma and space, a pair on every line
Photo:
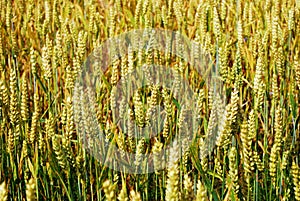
1, 51
130, 60
50, 127
223, 59
81, 49
296, 66
258, 82
13, 42
287, 194
204, 23
145, 6
166, 127
223, 12
172, 189
200, 103
30, 8
233, 171
247, 149
185, 152
152, 105
112, 21
80, 162
211, 131
65, 60
258, 162
201, 192
237, 69
11, 141
24, 149
3, 191
168, 111
24, 100
123, 193
35, 118
285, 160
69, 84
77, 104
295, 172
41, 142
188, 188
291, 19
178, 9
234, 105
278, 129
245, 16
109, 189
177, 80
68, 135
124, 70
4, 92
113, 100
135, 196
33, 61
218, 167
280, 61
139, 109
164, 16
275, 89
276, 148
47, 11
31, 190
69, 131
224, 131
157, 156
170, 9
275, 21
60, 155
253, 46
216, 23
121, 142
210, 97
273, 162
13, 104
55, 13
46, 61
139, 154
57, 50
167, 103
240, 34
115, 71
131, 131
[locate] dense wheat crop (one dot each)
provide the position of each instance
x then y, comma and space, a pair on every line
254, 48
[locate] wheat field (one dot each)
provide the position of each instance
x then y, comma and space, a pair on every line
253, 132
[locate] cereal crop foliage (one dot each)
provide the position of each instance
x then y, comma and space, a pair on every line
253, 47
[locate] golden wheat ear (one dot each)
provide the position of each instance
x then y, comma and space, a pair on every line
31, 190
109, 190
201, 192
3, 191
